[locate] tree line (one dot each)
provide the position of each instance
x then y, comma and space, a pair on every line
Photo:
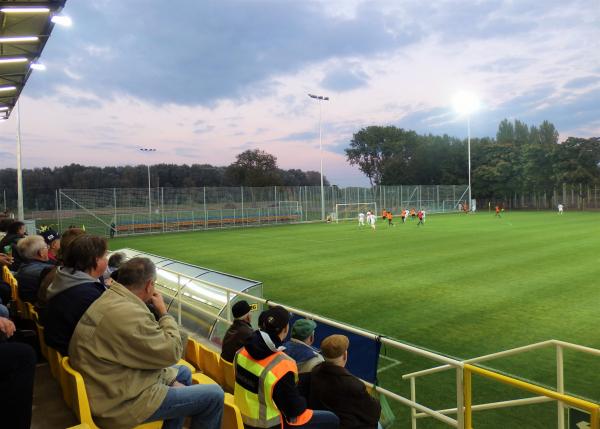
520, 158
251, 168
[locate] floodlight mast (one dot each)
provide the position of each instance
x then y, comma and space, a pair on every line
467, 104
320, 99
149, 150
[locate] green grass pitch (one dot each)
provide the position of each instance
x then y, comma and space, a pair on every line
462, 285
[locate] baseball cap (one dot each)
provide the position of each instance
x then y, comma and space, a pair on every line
303, 328
50, 235
274, 320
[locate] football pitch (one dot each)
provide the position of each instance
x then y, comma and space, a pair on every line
462, 285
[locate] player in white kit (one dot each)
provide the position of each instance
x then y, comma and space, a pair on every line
361, 219
560, 209
371, 220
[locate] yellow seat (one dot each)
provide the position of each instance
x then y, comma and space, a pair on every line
191, 352
228, 375
54, 362
42, 339
81, 406
186, 363
209, 362
201, 378
232, 418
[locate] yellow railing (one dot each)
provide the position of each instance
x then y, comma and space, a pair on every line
590, 407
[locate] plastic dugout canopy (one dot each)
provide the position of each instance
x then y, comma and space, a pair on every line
201, 302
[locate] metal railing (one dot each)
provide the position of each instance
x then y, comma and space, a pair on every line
547, 395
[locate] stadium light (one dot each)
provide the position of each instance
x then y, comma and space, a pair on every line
8, 88
3, 108
33, 9
465, 104
23, 39
149, 150
13, 60
320, 99
62, 20
38, 66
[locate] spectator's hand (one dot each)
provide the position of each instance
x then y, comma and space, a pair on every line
159, 304
7, 326
5, 259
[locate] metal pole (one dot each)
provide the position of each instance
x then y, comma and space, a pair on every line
20, 211
149, 200
560, 385
469, 152
4, 192
321, 156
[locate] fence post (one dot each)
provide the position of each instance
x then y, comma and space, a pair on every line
462, 399
179, 292
60, 228
242, 192
413, 397
204, 205
560, 385
162, 208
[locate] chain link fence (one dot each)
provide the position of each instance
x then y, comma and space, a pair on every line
118, 211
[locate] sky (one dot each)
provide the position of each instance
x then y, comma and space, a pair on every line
202, 81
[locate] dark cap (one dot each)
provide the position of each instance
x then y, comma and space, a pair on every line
274, 320
303, 328
334, 346
50, 235
240, 309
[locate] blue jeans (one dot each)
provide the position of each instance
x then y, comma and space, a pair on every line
320, 420
202, 402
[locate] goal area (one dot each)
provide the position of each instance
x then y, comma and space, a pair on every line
350, 211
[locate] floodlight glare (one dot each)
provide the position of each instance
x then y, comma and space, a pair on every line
465, 103
62, 20
25, 10
3, 109
23, 39
7, 88
38, 66
13, 60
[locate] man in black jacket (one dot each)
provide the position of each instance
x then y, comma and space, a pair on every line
239, 332
334, 388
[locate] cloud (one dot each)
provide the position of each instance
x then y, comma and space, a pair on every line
345, 79
582, 82
200, 52
302, 136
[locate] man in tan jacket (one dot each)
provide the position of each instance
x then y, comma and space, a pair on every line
126, 358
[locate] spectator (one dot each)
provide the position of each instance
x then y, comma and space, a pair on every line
35, 266
17, 370
265, 380
74, 288
5, 290
65, 240
14, 232
125, 357
300, 347
114, 262
239, 332
52, 239
4, 222
334, 388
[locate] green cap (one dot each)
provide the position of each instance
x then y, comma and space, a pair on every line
303, 328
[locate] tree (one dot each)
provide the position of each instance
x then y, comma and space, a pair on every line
253, 168
548, 133
372, 147
506, 132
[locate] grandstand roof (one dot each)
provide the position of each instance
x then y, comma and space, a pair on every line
25, 26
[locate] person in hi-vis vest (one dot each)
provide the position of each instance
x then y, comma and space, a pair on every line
266, 380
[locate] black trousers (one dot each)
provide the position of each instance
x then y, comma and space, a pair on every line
17, 370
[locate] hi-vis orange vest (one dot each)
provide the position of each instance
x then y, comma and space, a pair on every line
254, 384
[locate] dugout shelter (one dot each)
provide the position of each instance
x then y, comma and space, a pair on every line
199, 298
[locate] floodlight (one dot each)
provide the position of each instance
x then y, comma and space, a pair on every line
62, 20
465, 103
3, 109
23, 39
38, 66
7, 88
25, 10
13, 60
